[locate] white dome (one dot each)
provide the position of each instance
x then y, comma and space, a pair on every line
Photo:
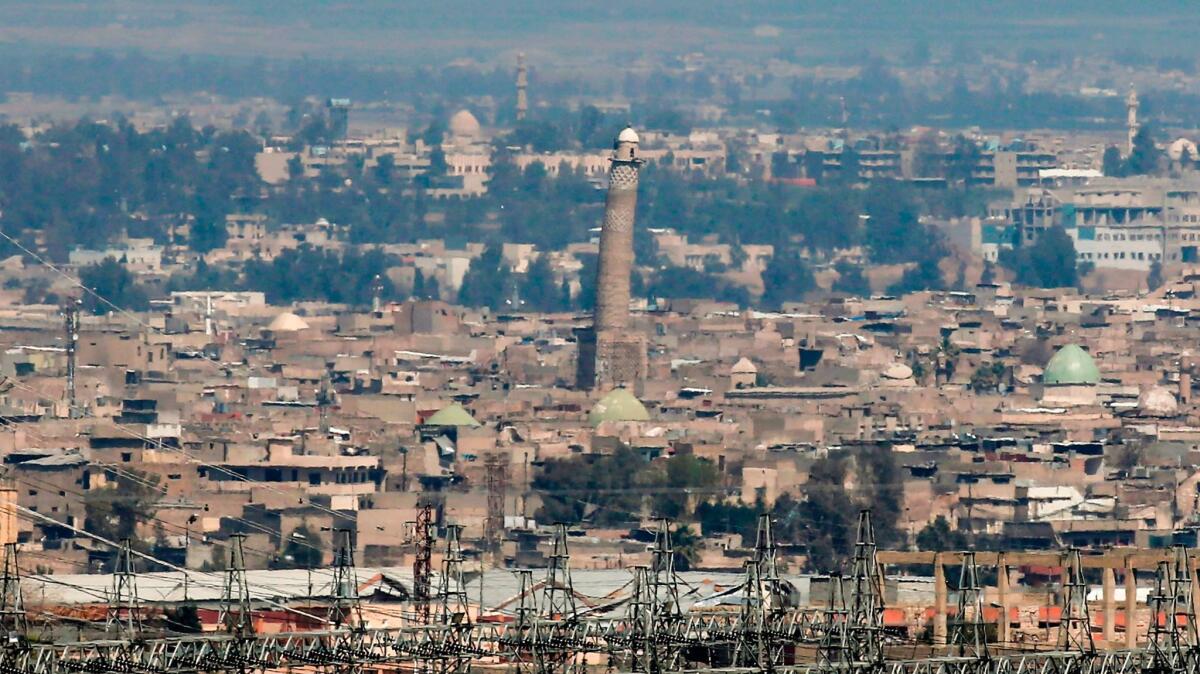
1158, 401
627, 135
287, 322
897, 371
464, 125
1175, 150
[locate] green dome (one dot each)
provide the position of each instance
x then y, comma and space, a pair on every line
453, 414
618, 405
1071, 365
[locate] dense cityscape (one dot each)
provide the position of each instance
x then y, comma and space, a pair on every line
748, 350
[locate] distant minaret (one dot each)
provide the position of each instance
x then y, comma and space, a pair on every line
522, 83
1131, 119
609, 355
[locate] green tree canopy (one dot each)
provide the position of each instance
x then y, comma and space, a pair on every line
112, 281
116, 510
937, 536
488, 281
787, 278
1050, 262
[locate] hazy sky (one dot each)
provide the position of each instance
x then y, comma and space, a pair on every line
412, 30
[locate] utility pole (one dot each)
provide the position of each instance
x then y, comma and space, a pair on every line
71, 320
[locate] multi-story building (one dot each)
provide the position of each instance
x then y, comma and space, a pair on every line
1116, 224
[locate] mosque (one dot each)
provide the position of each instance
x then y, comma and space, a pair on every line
1070, 378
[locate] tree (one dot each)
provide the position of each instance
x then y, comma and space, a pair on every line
720, 517
787, 278
418, 287
115, 511
1154, 279
851, 279
111, 281
295, 167
680, 475
1145, 158
1050, 262
207, 234
686, 545
597, 489
937, 536
488, 281
988, 276
987, 377
301, 550
927, 157
538, 289
1113, 163
924, 275
687, 283
961, 163
824, 522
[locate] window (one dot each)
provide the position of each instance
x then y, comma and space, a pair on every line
126, 456
314, 478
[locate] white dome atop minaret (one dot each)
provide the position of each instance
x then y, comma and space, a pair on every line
627, 135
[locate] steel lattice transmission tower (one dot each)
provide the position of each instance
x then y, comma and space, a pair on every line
124, 609
757, 645
496, 480
12, 602
1075, 630
235, 601
346, 607
558, 596
423, 563
71, 325
863, 637
968, 630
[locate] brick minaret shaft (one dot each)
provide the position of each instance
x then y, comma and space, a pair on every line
616, 236
610, 354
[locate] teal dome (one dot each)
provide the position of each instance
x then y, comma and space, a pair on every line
452, 415
1071, 365
618, 405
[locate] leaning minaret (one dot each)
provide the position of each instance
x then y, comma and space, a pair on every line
609, 355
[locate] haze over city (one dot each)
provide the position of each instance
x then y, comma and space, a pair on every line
599, 337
